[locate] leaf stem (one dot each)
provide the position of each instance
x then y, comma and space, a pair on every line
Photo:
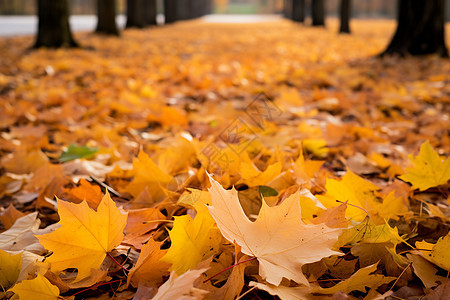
401, 274
230, 267
248, 291
117, 263
346, 202
96, 286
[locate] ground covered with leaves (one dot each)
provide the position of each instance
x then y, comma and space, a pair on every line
224, 161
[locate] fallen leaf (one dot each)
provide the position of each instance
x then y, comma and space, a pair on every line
85, 191
38, 287
85, 236
149, 269
438, 253
193, 241
9, 216
76, 152
148, 174
426, 271
278, 238
181, 287
363, 278
21, 235
10, 269
429, 169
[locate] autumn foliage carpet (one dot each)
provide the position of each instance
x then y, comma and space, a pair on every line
220, 161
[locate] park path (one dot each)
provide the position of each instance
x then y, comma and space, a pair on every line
26, 25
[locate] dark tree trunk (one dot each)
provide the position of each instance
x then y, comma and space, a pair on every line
287, 9
183, 9
197, 8
106, 17
208, 7
149, 11
170, 11
318, 12
54, 28
346, 7
298, 11
135, 15
420, 28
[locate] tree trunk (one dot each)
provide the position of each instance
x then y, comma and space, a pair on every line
183, 9
170, 11
135, 15
298, 11
150, 12
197, 8
318, 12
106, 17
346, 8
54, 28
420, 29
287, 8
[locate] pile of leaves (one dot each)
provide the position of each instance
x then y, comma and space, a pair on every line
212, 161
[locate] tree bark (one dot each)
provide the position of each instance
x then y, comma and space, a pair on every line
170, 11
53, 25
345, 11
149, 11
183, 9
106, 17
287, 8
197, 8
298, 11
135, 15
420, 29
318, 12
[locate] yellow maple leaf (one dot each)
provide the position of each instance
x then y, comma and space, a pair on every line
368, 232
304, 170
10, 269
278, 238
192, 241
429, 169
148, 174
37, 288
352, 188
358, 282
252, 176
85, 236
438, 253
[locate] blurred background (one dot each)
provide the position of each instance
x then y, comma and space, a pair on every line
361, 8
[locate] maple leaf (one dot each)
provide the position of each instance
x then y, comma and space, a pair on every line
278, 238
37, 288
352, 188
149, 270
358, 282
85, 191
234, 280
429, 169
10, 269
85, 236
148, 174
438, 253
181, 287
304, 169
192, 241
21, 235
9, 216
425, 270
